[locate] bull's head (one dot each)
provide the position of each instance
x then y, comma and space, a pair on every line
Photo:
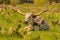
29, 16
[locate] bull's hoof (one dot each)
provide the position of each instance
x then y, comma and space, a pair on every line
33, 30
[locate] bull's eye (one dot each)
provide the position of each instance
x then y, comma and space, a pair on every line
34, 16
28, 17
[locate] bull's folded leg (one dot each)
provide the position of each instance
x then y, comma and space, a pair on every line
46, 29
40, 28
45, 25
43, 28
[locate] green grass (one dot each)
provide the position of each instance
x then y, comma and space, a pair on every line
14, 19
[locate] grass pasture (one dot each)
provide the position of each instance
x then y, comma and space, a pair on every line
14, 19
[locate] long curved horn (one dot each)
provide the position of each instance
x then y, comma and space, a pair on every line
20, 12
41, 12
17, 9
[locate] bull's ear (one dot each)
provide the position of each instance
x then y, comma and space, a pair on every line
41, 12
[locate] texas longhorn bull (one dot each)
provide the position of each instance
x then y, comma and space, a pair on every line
34, 19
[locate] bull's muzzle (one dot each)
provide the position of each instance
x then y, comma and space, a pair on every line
26, 22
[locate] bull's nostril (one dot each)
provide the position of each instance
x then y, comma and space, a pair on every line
26, 22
